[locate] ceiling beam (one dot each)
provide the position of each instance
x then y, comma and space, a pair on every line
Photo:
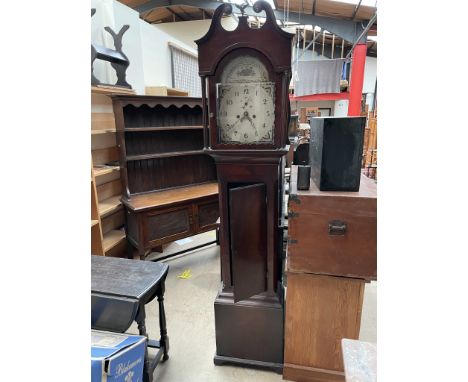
190, 18
347, 29
206, 15
151, 5
176, 14
356, 9
363, 34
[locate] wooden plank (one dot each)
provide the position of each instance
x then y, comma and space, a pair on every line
103, 141
107, 190
103, 156
101, 103
320, 312
113, 238
119, 250
96, 241
164, 91
104, 131
106, 89
171, 196
108, 176
110, 205
100, 171
113, 221
96, 232
102, 121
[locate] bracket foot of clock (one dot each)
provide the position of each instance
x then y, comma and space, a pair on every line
221, 360
249, 332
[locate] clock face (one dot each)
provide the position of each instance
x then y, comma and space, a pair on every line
246, 103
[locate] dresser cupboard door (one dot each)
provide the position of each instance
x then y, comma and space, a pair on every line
207, 215
168, 225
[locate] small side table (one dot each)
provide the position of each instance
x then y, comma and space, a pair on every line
360, 360
120, 289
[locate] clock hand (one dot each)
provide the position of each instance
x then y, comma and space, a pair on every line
246, 116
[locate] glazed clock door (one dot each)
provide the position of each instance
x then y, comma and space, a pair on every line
245, 103
247, 222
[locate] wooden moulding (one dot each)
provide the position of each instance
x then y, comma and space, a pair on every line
305, 374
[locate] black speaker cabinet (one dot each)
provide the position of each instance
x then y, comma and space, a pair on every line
335, 152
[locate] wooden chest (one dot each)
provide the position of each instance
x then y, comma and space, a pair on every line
333, 233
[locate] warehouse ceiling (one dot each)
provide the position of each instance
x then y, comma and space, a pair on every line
168, 11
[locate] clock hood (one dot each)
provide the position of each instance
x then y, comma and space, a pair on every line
275, 43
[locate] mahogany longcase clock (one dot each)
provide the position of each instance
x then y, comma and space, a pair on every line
245, 79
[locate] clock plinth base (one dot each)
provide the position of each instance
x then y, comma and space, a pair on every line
249, 332
220, 361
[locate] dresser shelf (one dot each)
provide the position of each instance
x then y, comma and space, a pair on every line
164, 128
163, 155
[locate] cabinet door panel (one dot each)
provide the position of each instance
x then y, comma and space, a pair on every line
208, 213
169, 224
247, 221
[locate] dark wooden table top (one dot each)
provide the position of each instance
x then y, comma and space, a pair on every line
134, 279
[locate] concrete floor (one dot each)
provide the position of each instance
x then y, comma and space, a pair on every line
190, 319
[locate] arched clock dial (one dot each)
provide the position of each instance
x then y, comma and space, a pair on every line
246, 102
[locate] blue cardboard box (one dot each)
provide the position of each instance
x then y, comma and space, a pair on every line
117, 357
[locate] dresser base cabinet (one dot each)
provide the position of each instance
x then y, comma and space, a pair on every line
162, 217
320, 312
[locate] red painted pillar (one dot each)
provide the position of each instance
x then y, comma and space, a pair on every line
357, 79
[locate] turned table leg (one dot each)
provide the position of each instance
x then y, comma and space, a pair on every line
140, 319
164, 341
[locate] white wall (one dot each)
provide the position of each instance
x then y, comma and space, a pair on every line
370, 77
114, 14
341, 108
157, 55
145, 45
189, 31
